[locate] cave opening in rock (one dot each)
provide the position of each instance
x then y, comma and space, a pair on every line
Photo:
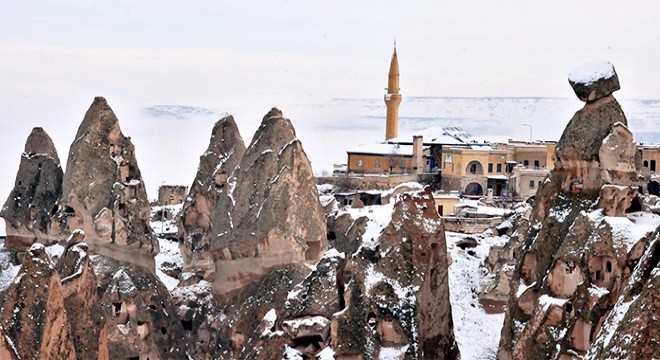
309, 344
635, 205
187, 324
371, 320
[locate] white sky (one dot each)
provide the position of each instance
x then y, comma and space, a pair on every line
250, 55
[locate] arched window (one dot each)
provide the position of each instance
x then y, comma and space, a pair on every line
646, 163
475, 168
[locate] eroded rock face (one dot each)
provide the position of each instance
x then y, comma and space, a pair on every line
586, 238
275, 217
37, 188
103, 192
632, 328
594, 81
596, 147
82, 303
205, 210
34, 319
501, 261
398, 294
140, 319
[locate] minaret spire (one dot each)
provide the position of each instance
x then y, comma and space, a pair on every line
392, 98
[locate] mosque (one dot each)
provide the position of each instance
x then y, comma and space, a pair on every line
461, 164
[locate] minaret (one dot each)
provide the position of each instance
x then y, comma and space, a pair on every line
393, 99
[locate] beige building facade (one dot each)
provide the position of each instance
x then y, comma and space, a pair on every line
481, 168
172, 194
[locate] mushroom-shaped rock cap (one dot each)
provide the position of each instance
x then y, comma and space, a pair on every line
594, 80
38, 142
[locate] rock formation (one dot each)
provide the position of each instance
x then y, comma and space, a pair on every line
596, 146
275, 217
38, 186
34, 319
501, 260
204, 212
587, 236
103, 192
396, 291
141, 321
82, 303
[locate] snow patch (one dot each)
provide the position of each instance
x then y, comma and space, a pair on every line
393, 353
589, 73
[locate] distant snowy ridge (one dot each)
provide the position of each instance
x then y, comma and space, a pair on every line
178, 111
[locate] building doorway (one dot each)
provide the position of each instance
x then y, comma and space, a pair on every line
474, 188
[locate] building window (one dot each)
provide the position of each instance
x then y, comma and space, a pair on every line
539, 183
537, 164
359, 163
448, 158
652, 165
526, 163
490, 167
646, 163
499, 168
531, 184
473, 168
377, 163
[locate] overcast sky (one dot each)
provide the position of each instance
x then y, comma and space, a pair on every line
56, 56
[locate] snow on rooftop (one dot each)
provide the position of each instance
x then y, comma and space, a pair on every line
436, 135
383, 149
588, 74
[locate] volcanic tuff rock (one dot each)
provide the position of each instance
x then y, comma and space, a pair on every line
38, 186
141, 320
34, 319
103, 192
586, 238
204, 212
501, 260
396, 289
632, 329
275, 217
594, 81
82, 303
596, 147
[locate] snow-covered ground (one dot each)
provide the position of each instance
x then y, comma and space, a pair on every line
477, 333
169, 253
163, 223
8, 270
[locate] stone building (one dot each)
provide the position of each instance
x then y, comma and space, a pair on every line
474, 169
524, 182
650, 157
389, 158
172, 194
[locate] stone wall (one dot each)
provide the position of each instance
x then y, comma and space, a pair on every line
469, 225
366, 182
